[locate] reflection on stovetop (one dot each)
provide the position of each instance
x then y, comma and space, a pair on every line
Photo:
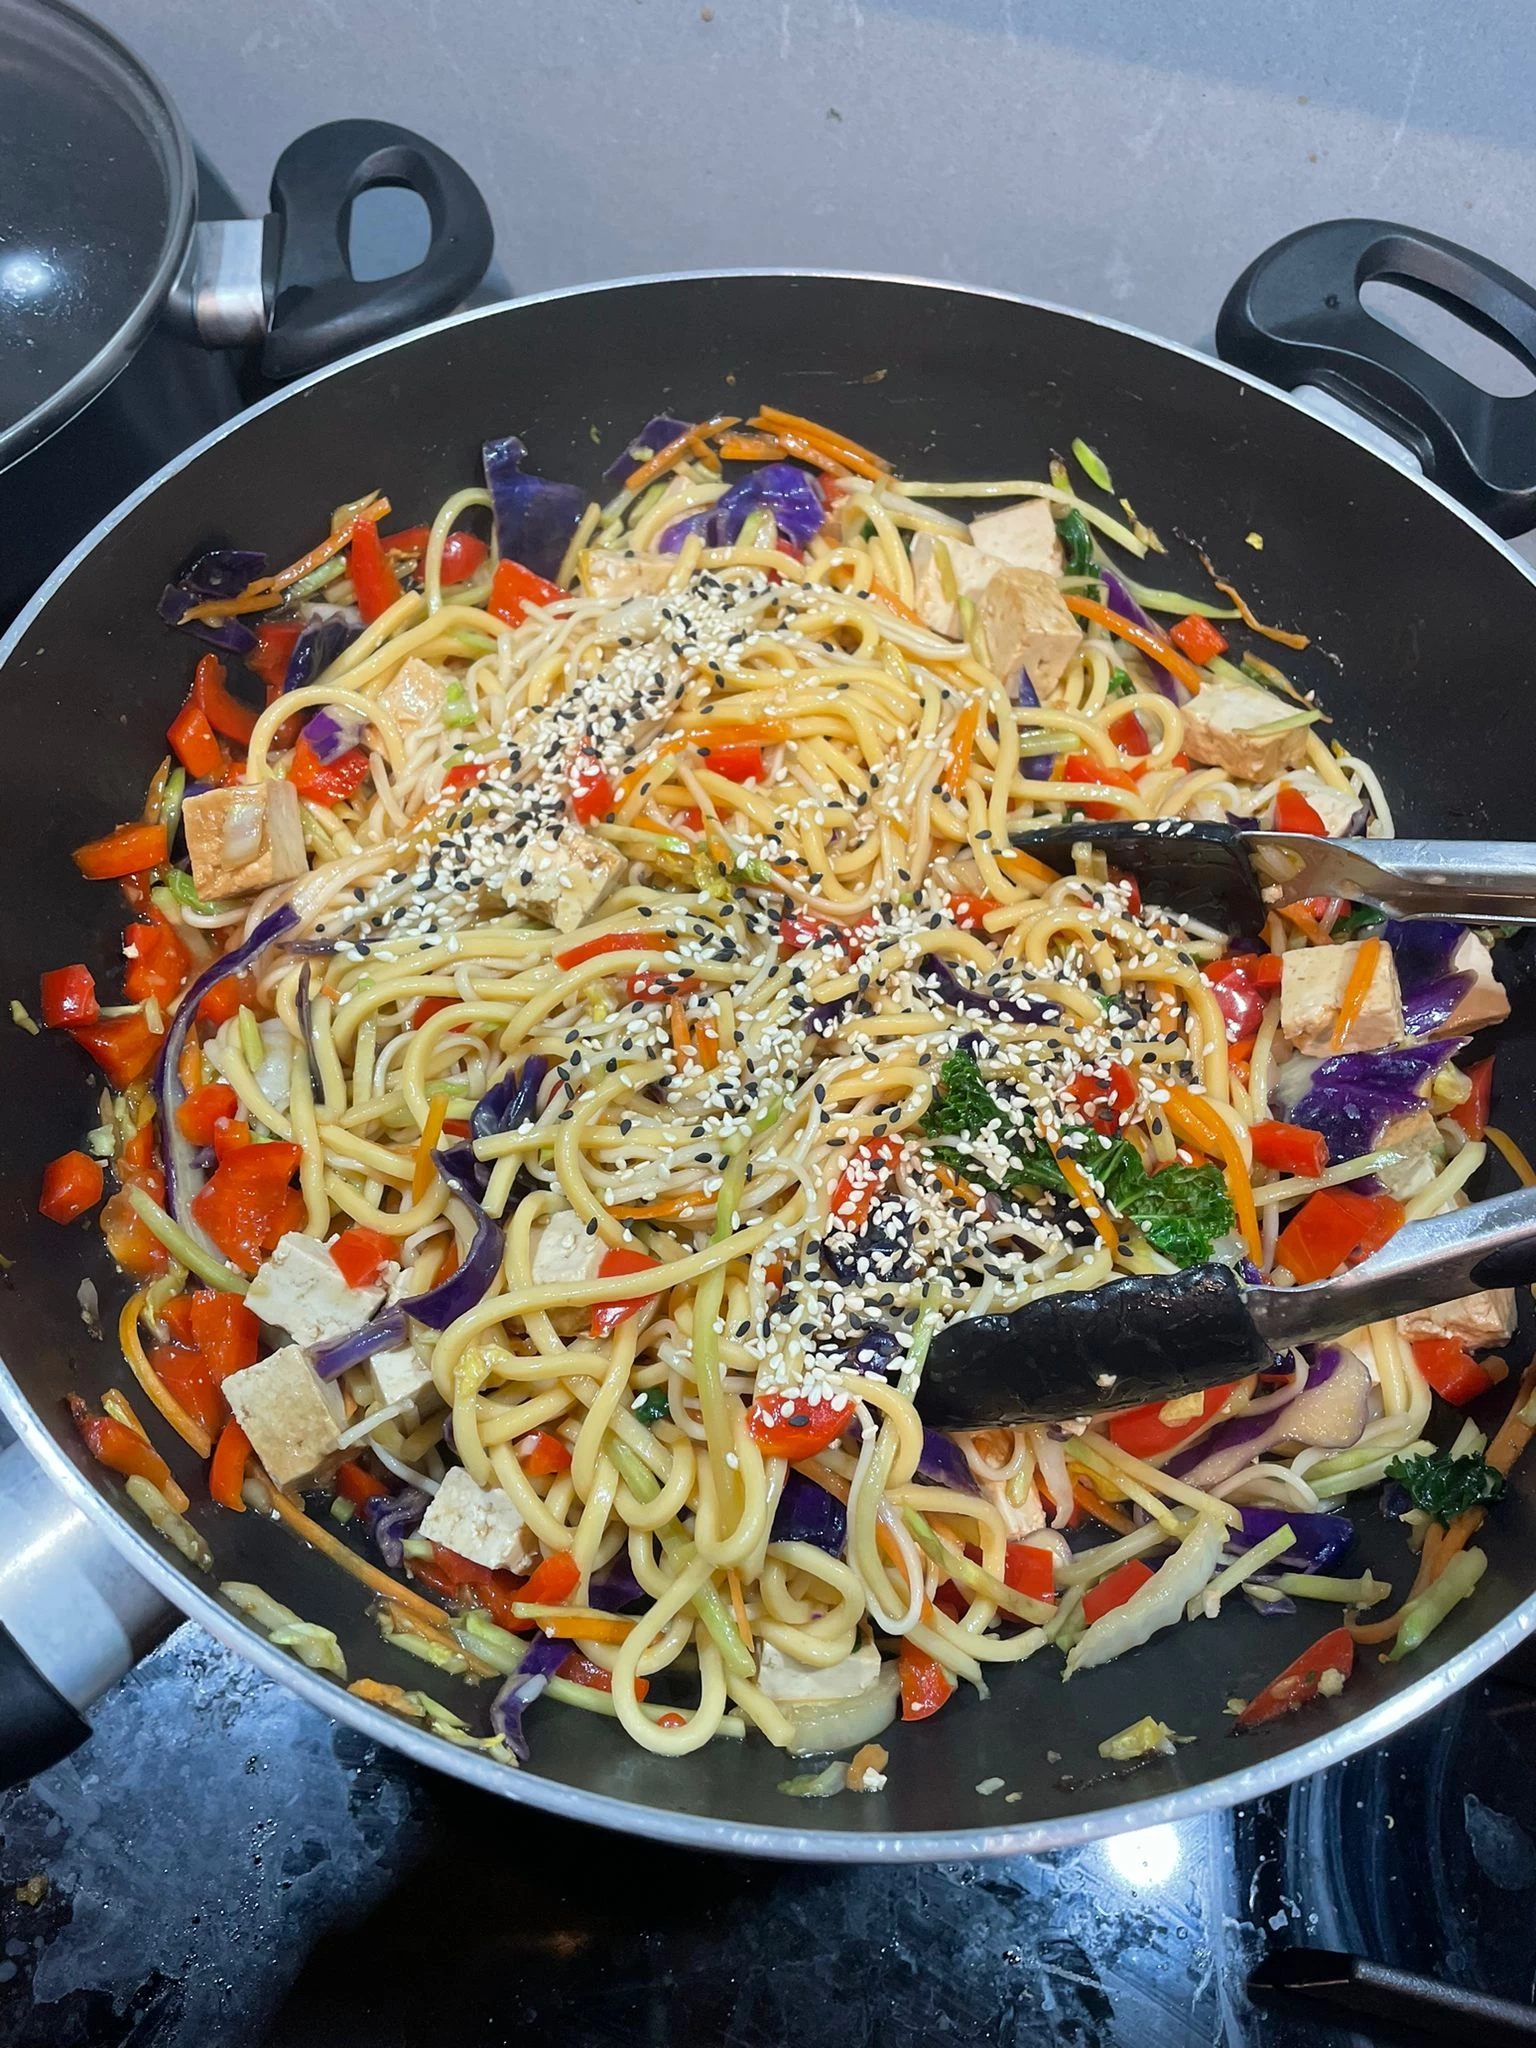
221, 1864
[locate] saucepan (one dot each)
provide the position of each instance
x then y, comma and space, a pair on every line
1383, 546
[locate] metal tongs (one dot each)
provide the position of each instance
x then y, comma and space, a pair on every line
1153, 1337
1231, 878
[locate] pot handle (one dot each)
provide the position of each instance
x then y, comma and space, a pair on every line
74, 1615
284, 283
1295, 318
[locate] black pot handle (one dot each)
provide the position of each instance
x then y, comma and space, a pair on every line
319, 310
1295, 317
38, 1726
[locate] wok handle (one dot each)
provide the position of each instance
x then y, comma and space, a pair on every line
284, 284
1295, 317
74, 1615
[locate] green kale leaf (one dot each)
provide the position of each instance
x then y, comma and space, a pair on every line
1445, 1487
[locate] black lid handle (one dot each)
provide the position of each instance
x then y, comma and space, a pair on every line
38, 1726
1295, 317
319, 309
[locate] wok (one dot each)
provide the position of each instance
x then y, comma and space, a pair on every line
1423, 624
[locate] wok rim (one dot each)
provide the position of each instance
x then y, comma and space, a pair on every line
698, 1831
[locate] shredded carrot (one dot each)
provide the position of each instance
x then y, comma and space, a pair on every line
812, 452
682, 1037
116, 1404
267, 591
226, 1474
394, 1697
1305, 922
664, 1208
849, 453
1019, 866
1513, 1157
1296, 640
1203, 1126
1153, 644
581, 1623
1356, 990
739, 1607
751, 447
633, 781
894, 604
952, 1181
431, 1131
962, 746
689, 443
422, 1611
1086, 1199
1513, 1435
706, 1043
191, 1432
1100, 1510
763, 732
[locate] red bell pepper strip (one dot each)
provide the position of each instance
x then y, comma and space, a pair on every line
374, 583
969, 912
247, 1204
72, 1183
1289, 1148
789, 1426
462, 552
119, 1448
739, 763
1030, 1569
329, 782
1089, 768
1238, 996
590, 791
800, 931
925, 1684
544, 1456
553, 1581
466, 776
69, 997
473, 1585
158, 963
1302, 1680
1451, 1370
361, 1255
1143, 1432
357, 1486
1332, 1226
131, 1244
1115, 1590
611, 942
1294, 814
1104, 1099
225, 1000
226, 714
275, 642
204, 1110
618, 1259
581, 1670
130, 850
1265, 970
226, 1472
187, 1376
429, 1007
194, 742
1198, 638
514, 589
225, 1333
1472, 1115
862, 1181
123, 1047
1130, 735
230, 1135
660, 984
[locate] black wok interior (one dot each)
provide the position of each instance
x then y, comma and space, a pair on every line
1422, 638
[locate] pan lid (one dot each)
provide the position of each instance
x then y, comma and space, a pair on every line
96, 208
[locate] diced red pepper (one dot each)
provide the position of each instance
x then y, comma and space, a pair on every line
131, 1244
1198, 638
553, 1581
1302, 1680
1333, 1225
969, 912
514, 588
72, 1183
800, 930
660, 984
374, 583
610, 942
429, 1007
1238, 997
789, 1426
362, 1254
329, 782
230, 1135
1089, 768
195, 743
1451, 1370
862, 1181
466, 776
463, 553
158, 963
119, 1448
1294, 814
607, 1315
736, 763
544, 1456
275, 642
226, 1472
474, 1585
1289, 1148
247, 1204
69, 997
204, 1110
1266, 971
1104, 1099
581, 1670
225, 1000
1030, 1569
1130, 735
1472, 1115
1144, 1434
1115, 1590
591, 793
226, 714
187, 1375
123, 1047
225, 1332
925, 1684
130, 850
357, 1486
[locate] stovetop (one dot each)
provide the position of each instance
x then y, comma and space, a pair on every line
221, 1864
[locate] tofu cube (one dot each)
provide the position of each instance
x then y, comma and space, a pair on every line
784, 1679
292, 1416
608, 574
568, 878
565, 1252
414, 696
244, 838
302, 1290
399, 1374
972, 571
1341, 815
1219, 729
1485, 1002
1022, 535
479, 1524
1026, 625
1312, 984
1478, 1320
1418, 1138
